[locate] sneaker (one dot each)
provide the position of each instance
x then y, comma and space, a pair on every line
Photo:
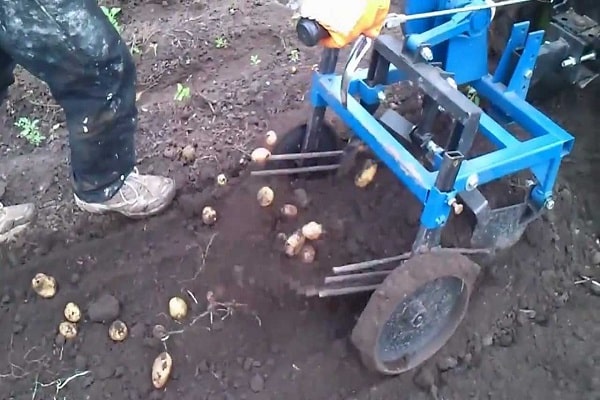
140, 196
14, 220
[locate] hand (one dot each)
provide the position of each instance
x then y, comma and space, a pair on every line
346, 20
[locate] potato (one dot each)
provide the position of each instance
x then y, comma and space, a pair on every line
366, 175
188, 154
72, 312
209, 215
159, 332
44, 285
312, 230
221, 180
67, 329
289, 210
118, 331
294, 243
161, 370
177, 308
260, 155
271, 138
265, 196
307, 254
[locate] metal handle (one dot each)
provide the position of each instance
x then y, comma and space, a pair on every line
359, 50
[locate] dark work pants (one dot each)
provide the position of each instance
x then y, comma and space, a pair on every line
73, 48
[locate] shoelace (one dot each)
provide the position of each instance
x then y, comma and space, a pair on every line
133, 174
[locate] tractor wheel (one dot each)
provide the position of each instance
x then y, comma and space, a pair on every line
414, 312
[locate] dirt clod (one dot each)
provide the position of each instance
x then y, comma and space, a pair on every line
257, 383
105, 308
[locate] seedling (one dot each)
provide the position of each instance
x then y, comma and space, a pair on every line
254, 60
113, 16
294, 55
221, 42
182, 93
30, 131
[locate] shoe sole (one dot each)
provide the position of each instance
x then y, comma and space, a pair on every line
99, 210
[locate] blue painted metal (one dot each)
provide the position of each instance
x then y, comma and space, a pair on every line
460, 44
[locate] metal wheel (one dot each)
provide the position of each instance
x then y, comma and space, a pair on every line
414, 312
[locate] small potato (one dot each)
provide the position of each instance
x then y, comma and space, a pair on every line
271, 138
118, 331
289, 210
67, 329
159, 332
209, 215
294, 243
188, 154
312, 230
366, 175
72, 312
307, 254
178, 308
265, 196
221, 180
161, 370
260, 155
44, 285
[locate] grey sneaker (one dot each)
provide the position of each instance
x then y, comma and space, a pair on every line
14, 220
140, 196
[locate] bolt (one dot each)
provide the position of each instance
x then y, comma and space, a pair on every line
472, 182
456, 206
569, 62
588, 57
426, 53
452, 83
381, 96
550, 204
528, 74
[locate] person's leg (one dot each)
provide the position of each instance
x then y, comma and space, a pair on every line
13, 219
71, 45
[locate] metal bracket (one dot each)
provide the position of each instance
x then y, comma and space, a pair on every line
359, 51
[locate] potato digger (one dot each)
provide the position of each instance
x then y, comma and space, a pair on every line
441, 47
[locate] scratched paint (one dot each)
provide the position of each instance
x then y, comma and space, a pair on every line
72, 47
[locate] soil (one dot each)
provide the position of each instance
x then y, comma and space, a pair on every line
530, 332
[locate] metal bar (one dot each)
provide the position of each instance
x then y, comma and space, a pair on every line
349, 290
291, 171
352, 277
301, 156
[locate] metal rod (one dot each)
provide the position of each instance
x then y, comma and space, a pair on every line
397, 19
402, 257
299, 170
301, 156
349, 290
352, 277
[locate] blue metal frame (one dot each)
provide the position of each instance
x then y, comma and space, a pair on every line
461, 46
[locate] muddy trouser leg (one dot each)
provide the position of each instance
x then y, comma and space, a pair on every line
71, 45
7, 66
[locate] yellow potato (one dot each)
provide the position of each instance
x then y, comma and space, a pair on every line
366, 175
177, 308
118, 331
260, 155
221, 180
209, 215
72, 312
294, 243
312, 230
67, 329
265, 196
161, 370
271, 138
44, 285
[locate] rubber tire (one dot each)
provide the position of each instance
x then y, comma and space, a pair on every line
401, 283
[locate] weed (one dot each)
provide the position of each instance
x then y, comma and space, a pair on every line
294, 55
30, 131
182, 93
113, 16
254, 60
221, 42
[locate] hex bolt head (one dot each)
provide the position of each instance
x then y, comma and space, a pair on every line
472, 182
550, 204
426, 53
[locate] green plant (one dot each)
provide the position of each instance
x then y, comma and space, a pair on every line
221, 42
113, 16
254, 60
294, 55
182, 93
30, 131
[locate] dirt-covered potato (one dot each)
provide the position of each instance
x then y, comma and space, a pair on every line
178, 308
307, 254
209, 215
312, 230
118, 331
289, 210
67, 329
294, 243
260, 155
265, 196
44, 285
161, 370
72, 312
367, 174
